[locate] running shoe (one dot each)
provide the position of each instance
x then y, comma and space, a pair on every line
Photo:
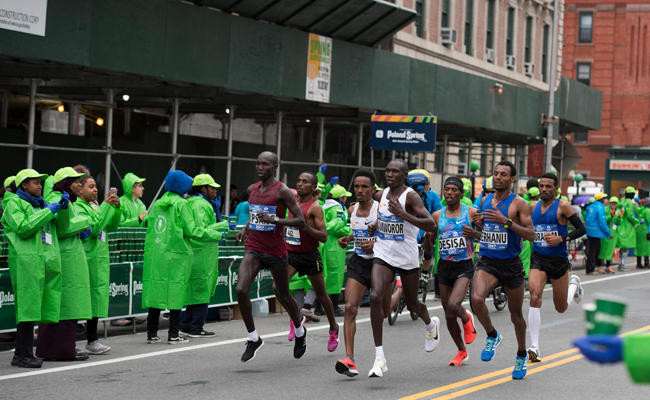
292, 332
300, 344
520, 367
180, 339
577, 297
432, 337
460, 357
333, 341
490, 345
347, 367
378, 369
601, 270
533, 355
610, 270
251, 349
201, 333
96, 348
469, 331
153, 339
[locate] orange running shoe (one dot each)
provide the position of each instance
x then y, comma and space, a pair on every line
347, 367
460, 357
468, 329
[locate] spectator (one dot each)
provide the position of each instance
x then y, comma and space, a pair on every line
34, 261
597, 229
103, 218
642, 248
57, 341
627, 226
8, 190
607, 246
234, 201
133, 209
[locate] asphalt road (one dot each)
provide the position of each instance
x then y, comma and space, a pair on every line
211, 368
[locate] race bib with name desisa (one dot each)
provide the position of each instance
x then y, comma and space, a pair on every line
254, 223
452, 243
390, 227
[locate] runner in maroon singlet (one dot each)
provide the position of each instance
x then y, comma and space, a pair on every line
265, 248
304, 257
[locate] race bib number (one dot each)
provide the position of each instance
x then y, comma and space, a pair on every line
254, 222
540, 233
46, 237
292, 236
494, 237
361, 236
102, 236
390, 227
452, 243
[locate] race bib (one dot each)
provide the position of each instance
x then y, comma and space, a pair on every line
541, 231
494, 237
390, 227
254, 222
361, 236
102, 236
452, 243
292, 236
46, 237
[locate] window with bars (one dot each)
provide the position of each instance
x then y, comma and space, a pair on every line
419, 18
489, 33
511, 30
585, 26
545, 53
529, 39
469, 17
581, 137
444, 17
583, 73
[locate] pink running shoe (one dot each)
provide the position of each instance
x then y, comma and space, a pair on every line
333, 341
292, 332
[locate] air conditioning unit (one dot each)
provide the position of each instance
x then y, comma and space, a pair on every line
490, 55
462, 169
529, 69
449, 36
511, 61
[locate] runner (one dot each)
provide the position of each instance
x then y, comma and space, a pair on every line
265, 248
362, 214
401, 215
304, 257
550, 258
505, 220
455, 268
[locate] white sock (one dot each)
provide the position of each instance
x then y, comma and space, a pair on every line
300, 331
253, 336
429, 327
379, 352
572, 291
534, 322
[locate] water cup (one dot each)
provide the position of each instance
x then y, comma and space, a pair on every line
608, 318
636, 351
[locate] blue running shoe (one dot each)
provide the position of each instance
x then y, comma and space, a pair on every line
490, 345
520, 367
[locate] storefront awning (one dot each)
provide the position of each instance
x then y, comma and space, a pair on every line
364, 22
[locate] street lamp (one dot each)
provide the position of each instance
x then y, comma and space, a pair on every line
577, 178
473, 167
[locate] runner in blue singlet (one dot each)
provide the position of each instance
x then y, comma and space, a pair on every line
505, 220
549, 259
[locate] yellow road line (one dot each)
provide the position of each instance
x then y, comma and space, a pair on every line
465, 382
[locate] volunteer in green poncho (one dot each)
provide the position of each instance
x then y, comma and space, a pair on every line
34, 261
8, 189
526, 246
57, 341
607, 246
103, 218
133, 209
205, 265
627, 226
642, 249
336, 223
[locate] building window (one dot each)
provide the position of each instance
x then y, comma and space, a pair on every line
583, 73
545, 53
439, 160
511, 30
585, 26
444, 18
580, 137
469, 17
529, 39
419, 18
489, 34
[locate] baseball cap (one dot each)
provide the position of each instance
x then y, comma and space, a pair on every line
205, 179
339, 191
25, 174
600, 196
66, 172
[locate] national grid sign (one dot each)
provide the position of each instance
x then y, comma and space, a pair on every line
403, 132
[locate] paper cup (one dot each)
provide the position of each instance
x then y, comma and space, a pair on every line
608, 318
636, 351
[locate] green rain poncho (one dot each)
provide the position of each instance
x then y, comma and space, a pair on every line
75, 279
103, 219
627, 222
131, 209
34, 266
336, 223
642, 248
526, 253
205, 265
607, 246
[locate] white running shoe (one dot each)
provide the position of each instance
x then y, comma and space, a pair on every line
378, 369
577, 297
432, 337
533, 355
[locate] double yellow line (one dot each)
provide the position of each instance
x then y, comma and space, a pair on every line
543, 366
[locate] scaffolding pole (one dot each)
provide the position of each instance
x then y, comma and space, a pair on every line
321, 139
109, 140
226, 206
360, 158
5, 110
279, 142
548, 156
175, 107
32, 121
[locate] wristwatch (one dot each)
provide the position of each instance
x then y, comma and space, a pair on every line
508, 224
275, 218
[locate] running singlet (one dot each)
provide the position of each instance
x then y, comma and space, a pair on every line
359, 227
263, 237
497, 241
397, 240
452, 245
548, 223
299, 240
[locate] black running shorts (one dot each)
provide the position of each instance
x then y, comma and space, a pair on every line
268, 261
509, 271
359, 269
555, 267
395, 270
306, 263
450, 271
